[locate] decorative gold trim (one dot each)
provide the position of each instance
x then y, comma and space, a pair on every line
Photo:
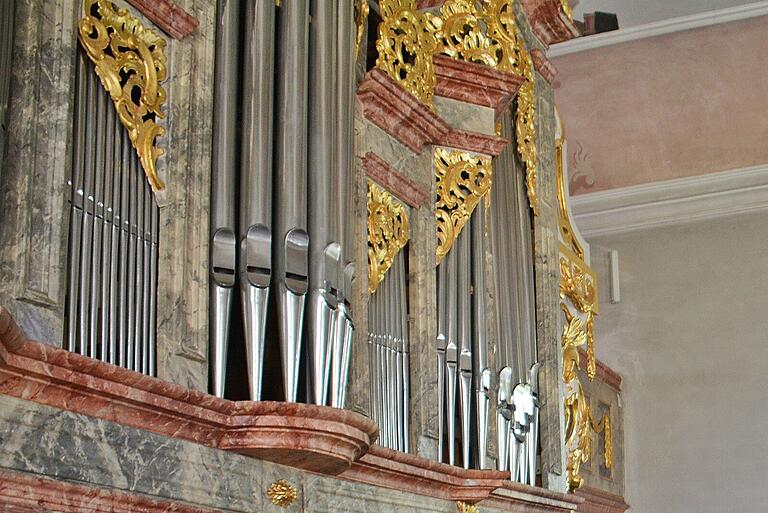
462, 181
406, 44
566, 8
387, 233
464, 507
487, 33
361, 17
566, 228
281, 493
578, 282
130, 62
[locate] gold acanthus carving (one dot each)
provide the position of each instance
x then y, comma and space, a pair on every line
486, 32
130, 63
464, 507
579, 284
406, 44
361, 18
579, 417
566, 8
388, 233
282, 494
566, 228
462, 181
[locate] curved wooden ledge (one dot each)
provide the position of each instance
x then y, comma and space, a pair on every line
315, 438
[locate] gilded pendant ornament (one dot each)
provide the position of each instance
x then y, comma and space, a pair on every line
464, 507
388, 233
130, 63
282, 494
462, 181
361, 18
406, 45
486, 32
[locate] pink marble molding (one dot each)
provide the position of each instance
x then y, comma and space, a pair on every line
315, 438
603, 373
408, 473
599, 501
544, 66
167, 15
474, 83
26, 493
474, 141
399, 113
396, 182
548, 21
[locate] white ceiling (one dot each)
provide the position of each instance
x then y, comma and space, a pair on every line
640, 12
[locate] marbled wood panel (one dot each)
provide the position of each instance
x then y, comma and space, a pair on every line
324, 495
547, 281
465, 116
34, 193
182, 308
44, 440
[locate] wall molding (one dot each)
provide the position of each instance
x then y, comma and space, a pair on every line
671, 202
706, 19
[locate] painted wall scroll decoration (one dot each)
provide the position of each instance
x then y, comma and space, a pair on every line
462, 181
388, 233
130, 63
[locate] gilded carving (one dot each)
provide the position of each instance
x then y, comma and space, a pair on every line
282, 494
361, 18
406, 45
566, 8
130, 63
462, 181
461, 34
464, 507
388, 233
566, 228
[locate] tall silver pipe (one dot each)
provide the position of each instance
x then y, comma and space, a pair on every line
145, 272
125, 231
86, 256
504, 417
324, 247
141, 192
406, 390
532, 442
133, 188
442, 325
481, 372
98, 140
114, 238
255, 265
451, 353
106, 236
292, 247
155, 228
76, 199
465, 337
223, 266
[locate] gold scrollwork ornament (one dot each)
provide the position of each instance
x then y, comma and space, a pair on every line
464, 507
130, 63
388, 233
462, 181
405, 45
281, 493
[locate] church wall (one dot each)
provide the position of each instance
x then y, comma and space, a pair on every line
688, 337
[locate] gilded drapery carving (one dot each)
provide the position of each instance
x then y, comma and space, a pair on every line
388, 233
462, 181
130, 63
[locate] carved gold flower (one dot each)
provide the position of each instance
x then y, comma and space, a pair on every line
281, 493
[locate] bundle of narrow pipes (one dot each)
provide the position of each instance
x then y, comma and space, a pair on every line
388, 357
465, 373
517, 409
112, 264
286, 238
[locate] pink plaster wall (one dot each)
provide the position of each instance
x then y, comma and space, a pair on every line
672, 106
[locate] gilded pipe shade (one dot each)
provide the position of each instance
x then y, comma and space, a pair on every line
130, 62
388, 233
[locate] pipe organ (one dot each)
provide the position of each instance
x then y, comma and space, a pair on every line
293, 259
113, 236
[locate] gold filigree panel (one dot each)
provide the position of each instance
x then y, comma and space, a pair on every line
406, 45
282, 494
130, 63
388, 233
486, 32
462, 181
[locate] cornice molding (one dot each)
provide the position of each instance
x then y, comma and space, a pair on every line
169, 16
671, 202
659, 28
